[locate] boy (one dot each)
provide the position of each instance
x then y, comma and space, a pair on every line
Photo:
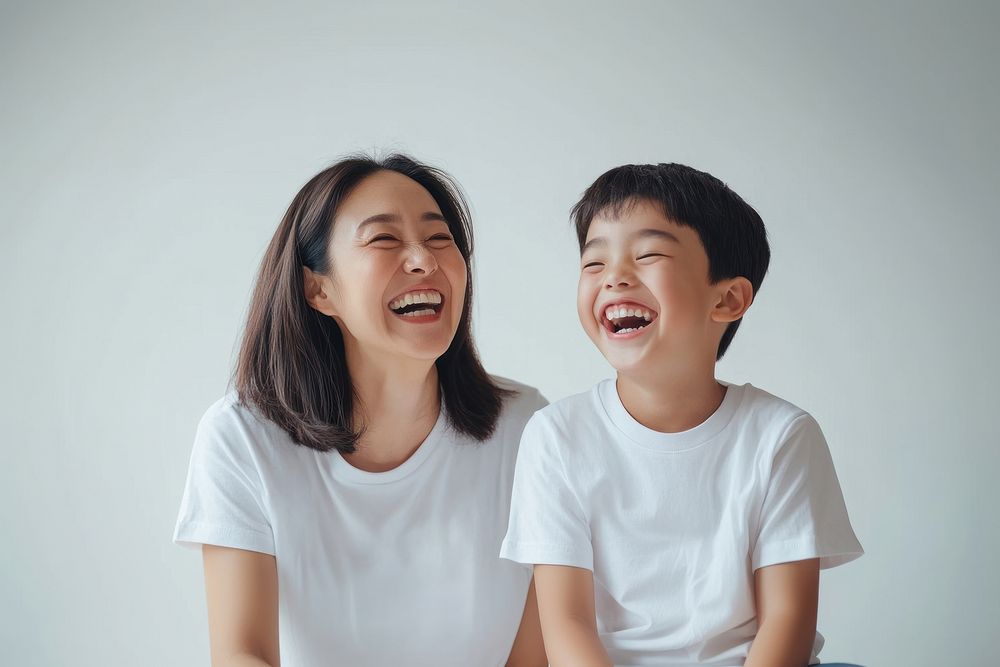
672, 519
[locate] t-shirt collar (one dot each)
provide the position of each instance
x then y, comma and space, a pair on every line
668, 442
346, 472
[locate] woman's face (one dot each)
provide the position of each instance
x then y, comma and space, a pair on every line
397, 282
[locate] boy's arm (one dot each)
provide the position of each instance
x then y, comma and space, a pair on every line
569, 622
787, 600
528, 650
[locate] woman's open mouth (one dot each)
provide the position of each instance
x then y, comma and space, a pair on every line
420, 305
626, 319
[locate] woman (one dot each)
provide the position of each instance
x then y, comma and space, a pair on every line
352, 494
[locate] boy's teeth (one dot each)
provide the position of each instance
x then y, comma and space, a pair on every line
618, 312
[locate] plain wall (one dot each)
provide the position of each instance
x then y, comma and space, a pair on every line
149, 152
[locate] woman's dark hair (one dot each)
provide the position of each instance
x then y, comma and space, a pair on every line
291, 364
730, 230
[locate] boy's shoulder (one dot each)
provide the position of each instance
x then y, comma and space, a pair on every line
766, 422
571, 429
766, 406
752, 416
754, 400
574, 409
754, 409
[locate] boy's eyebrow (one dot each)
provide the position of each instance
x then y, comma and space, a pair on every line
642, 233
657, 233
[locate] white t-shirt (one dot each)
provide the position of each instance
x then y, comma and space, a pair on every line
674, 525
391, 568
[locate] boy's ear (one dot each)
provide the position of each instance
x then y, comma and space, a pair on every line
315, 291
734, 298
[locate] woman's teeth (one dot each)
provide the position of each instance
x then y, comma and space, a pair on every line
431, 298
423, 312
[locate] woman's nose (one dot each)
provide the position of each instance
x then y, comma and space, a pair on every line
419, 259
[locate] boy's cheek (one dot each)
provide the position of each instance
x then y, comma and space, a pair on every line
585, 312
585, 319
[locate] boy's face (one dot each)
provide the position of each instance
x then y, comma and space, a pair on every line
644, 296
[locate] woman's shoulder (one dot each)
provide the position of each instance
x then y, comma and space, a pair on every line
231, 423
522, 400
229, 412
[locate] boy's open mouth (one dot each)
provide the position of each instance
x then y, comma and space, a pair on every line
421, 303
626, 318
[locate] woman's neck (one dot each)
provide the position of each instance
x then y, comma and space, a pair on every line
397, 404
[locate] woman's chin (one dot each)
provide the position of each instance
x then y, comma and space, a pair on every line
429, 348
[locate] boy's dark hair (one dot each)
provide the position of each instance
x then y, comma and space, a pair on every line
730, 230
291, 364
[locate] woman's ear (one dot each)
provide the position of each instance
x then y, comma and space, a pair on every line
316, 286
735, 297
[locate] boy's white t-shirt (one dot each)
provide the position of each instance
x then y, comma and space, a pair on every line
392, 568
674, 525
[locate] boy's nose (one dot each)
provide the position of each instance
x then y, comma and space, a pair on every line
617, 278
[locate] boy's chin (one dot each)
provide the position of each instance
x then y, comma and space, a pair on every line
626, 357
623, 363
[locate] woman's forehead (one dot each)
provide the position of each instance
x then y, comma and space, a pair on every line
388, 194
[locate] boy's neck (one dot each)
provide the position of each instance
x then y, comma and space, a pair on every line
668, 403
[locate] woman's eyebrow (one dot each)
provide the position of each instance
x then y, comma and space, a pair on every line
429, 216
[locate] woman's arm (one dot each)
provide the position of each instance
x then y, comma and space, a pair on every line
528, 650
242, 591
787, 600
568, 619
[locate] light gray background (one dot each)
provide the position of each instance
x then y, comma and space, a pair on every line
149, 152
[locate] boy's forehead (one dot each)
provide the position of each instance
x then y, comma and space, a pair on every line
632, 218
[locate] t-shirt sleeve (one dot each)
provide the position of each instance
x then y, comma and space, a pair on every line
547, 522
803, 514
538, 401
222, 498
